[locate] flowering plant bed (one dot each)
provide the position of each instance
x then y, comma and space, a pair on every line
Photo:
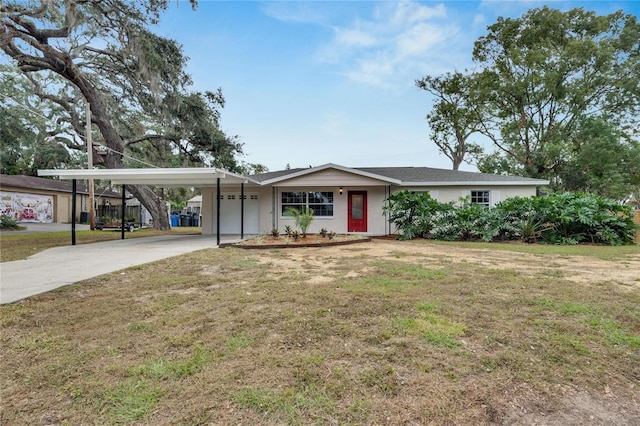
285, 241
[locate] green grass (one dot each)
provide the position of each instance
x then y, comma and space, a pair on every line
163, 368
434, 328
130, 401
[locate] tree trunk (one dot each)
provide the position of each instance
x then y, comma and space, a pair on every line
151, 200
456, 162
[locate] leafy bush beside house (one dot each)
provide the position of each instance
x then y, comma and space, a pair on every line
566, 218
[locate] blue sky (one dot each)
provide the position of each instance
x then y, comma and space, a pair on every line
315, 82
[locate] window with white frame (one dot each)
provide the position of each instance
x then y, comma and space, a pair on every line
321, 203
480, 197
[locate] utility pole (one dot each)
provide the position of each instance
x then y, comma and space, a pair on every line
92, 210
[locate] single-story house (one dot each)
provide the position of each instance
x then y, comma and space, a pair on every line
343, 199
346, 199
35, 199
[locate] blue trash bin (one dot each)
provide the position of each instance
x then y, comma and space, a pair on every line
194, 220
175, 220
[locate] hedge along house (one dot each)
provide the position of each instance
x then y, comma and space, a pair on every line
343, 199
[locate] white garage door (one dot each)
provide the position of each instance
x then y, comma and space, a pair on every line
230, 208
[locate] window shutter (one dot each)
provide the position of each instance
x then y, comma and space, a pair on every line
434, 195
495, 197
466, 193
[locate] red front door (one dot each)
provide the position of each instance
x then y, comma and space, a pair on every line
357, 214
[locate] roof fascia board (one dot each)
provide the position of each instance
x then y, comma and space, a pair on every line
331, 166
166, 176
535, 182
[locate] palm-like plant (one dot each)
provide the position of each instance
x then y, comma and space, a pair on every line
303, 218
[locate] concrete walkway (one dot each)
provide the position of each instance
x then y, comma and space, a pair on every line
60, 266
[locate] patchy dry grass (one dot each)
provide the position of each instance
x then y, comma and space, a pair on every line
381, 333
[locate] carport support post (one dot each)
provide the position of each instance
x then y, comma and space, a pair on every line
122, 214
74, 187
218, 212
242, 211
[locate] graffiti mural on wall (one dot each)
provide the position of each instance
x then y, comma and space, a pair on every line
27, 207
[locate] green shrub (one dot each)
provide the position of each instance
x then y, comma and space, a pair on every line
303, 218
568, 218
8, 222
415, 214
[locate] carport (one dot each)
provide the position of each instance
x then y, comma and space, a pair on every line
162, 177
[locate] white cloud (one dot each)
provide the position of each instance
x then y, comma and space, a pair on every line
421, 38
479, 21
409, 12
373, 71
300, 12
385, 49
354, 37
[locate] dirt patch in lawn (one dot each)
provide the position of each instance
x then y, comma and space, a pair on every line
310, 240
580, 269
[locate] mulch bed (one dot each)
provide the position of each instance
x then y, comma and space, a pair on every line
312, 240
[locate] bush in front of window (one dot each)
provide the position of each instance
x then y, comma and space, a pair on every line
568, 218
303, 218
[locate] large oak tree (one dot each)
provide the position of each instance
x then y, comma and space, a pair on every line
545, 74
102, 52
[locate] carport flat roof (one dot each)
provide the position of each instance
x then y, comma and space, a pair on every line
201, 177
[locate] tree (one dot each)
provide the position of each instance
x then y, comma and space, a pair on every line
604, 161
19, 132
27, 128
454, 116
547, 72
101, 52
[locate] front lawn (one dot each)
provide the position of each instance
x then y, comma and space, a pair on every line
383, 332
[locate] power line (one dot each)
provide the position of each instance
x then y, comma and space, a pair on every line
24, 106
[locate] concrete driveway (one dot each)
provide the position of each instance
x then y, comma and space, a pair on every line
60, 266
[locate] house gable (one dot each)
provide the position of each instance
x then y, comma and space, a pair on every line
328, 175
330, 178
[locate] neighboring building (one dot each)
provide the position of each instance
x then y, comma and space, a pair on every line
35, 199
344, 199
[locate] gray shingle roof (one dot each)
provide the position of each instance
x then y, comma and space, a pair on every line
428, 174
271, 175
38, 183
420, 175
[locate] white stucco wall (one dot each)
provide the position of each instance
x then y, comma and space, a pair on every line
376, 222
497, 193
230, 209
